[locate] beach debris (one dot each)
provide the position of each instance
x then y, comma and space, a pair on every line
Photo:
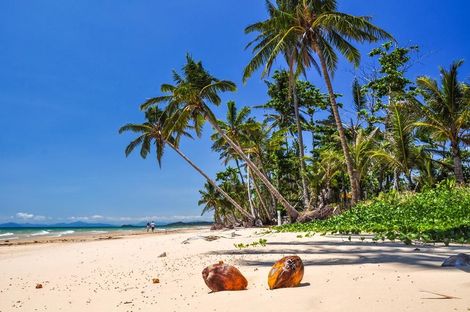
208, 238
162, 255
234, 234
286, 272
155, 280
38, 286
220, 277
438, 296
460, 260
211, 238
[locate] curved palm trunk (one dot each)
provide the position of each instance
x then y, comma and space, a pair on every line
458, 170
290, 210
300, 140
221, 191
344, 144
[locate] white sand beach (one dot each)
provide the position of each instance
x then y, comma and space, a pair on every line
340, 275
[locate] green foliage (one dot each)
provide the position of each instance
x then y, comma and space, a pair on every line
393, 64
441, 214
260, 243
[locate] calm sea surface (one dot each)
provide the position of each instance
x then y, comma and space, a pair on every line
31, 232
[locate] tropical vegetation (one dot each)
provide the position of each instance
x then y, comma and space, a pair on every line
383, 171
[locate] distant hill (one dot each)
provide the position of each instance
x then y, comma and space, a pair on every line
61, 225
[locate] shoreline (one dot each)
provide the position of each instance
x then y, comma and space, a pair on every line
89, 236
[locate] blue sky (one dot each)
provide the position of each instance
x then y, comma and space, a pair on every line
73, 72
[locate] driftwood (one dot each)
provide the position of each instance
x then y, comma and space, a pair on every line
318, 214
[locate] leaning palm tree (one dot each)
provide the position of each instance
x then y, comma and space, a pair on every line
446, 112
188, 106
318, 30
151, 132
237, 127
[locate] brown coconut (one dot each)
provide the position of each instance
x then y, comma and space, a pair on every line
220, 277
286, 272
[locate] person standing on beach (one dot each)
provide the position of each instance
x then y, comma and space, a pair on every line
148, 226
152, 226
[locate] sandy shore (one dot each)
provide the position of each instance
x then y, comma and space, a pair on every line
340, 275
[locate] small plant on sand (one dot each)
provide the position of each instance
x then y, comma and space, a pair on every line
261, 242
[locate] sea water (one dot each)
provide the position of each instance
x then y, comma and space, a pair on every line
15, 233
39, 232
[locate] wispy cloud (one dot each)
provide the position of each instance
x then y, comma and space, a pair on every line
29, 216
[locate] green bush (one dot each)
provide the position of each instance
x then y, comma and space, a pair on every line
435, 215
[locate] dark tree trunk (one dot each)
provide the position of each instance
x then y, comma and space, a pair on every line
300, 139
458, 169
339, 125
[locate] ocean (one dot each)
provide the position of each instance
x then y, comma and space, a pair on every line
15, 233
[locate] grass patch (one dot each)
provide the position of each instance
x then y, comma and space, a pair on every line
435, 215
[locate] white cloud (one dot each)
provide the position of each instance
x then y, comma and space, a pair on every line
24, 215
30, 216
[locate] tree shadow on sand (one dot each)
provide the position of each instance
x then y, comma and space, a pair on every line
348, 253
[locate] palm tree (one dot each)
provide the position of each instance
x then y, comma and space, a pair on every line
151, 132
237, 127
277, 38
361, 152
446, 112
211, 201
398, 151
314, 27
187, 104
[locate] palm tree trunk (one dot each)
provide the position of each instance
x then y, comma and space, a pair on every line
344, 144
409, 178
300, 139
262, 203
458, 170
239, 171
395, 180
221, 191
290, 210
248, 186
